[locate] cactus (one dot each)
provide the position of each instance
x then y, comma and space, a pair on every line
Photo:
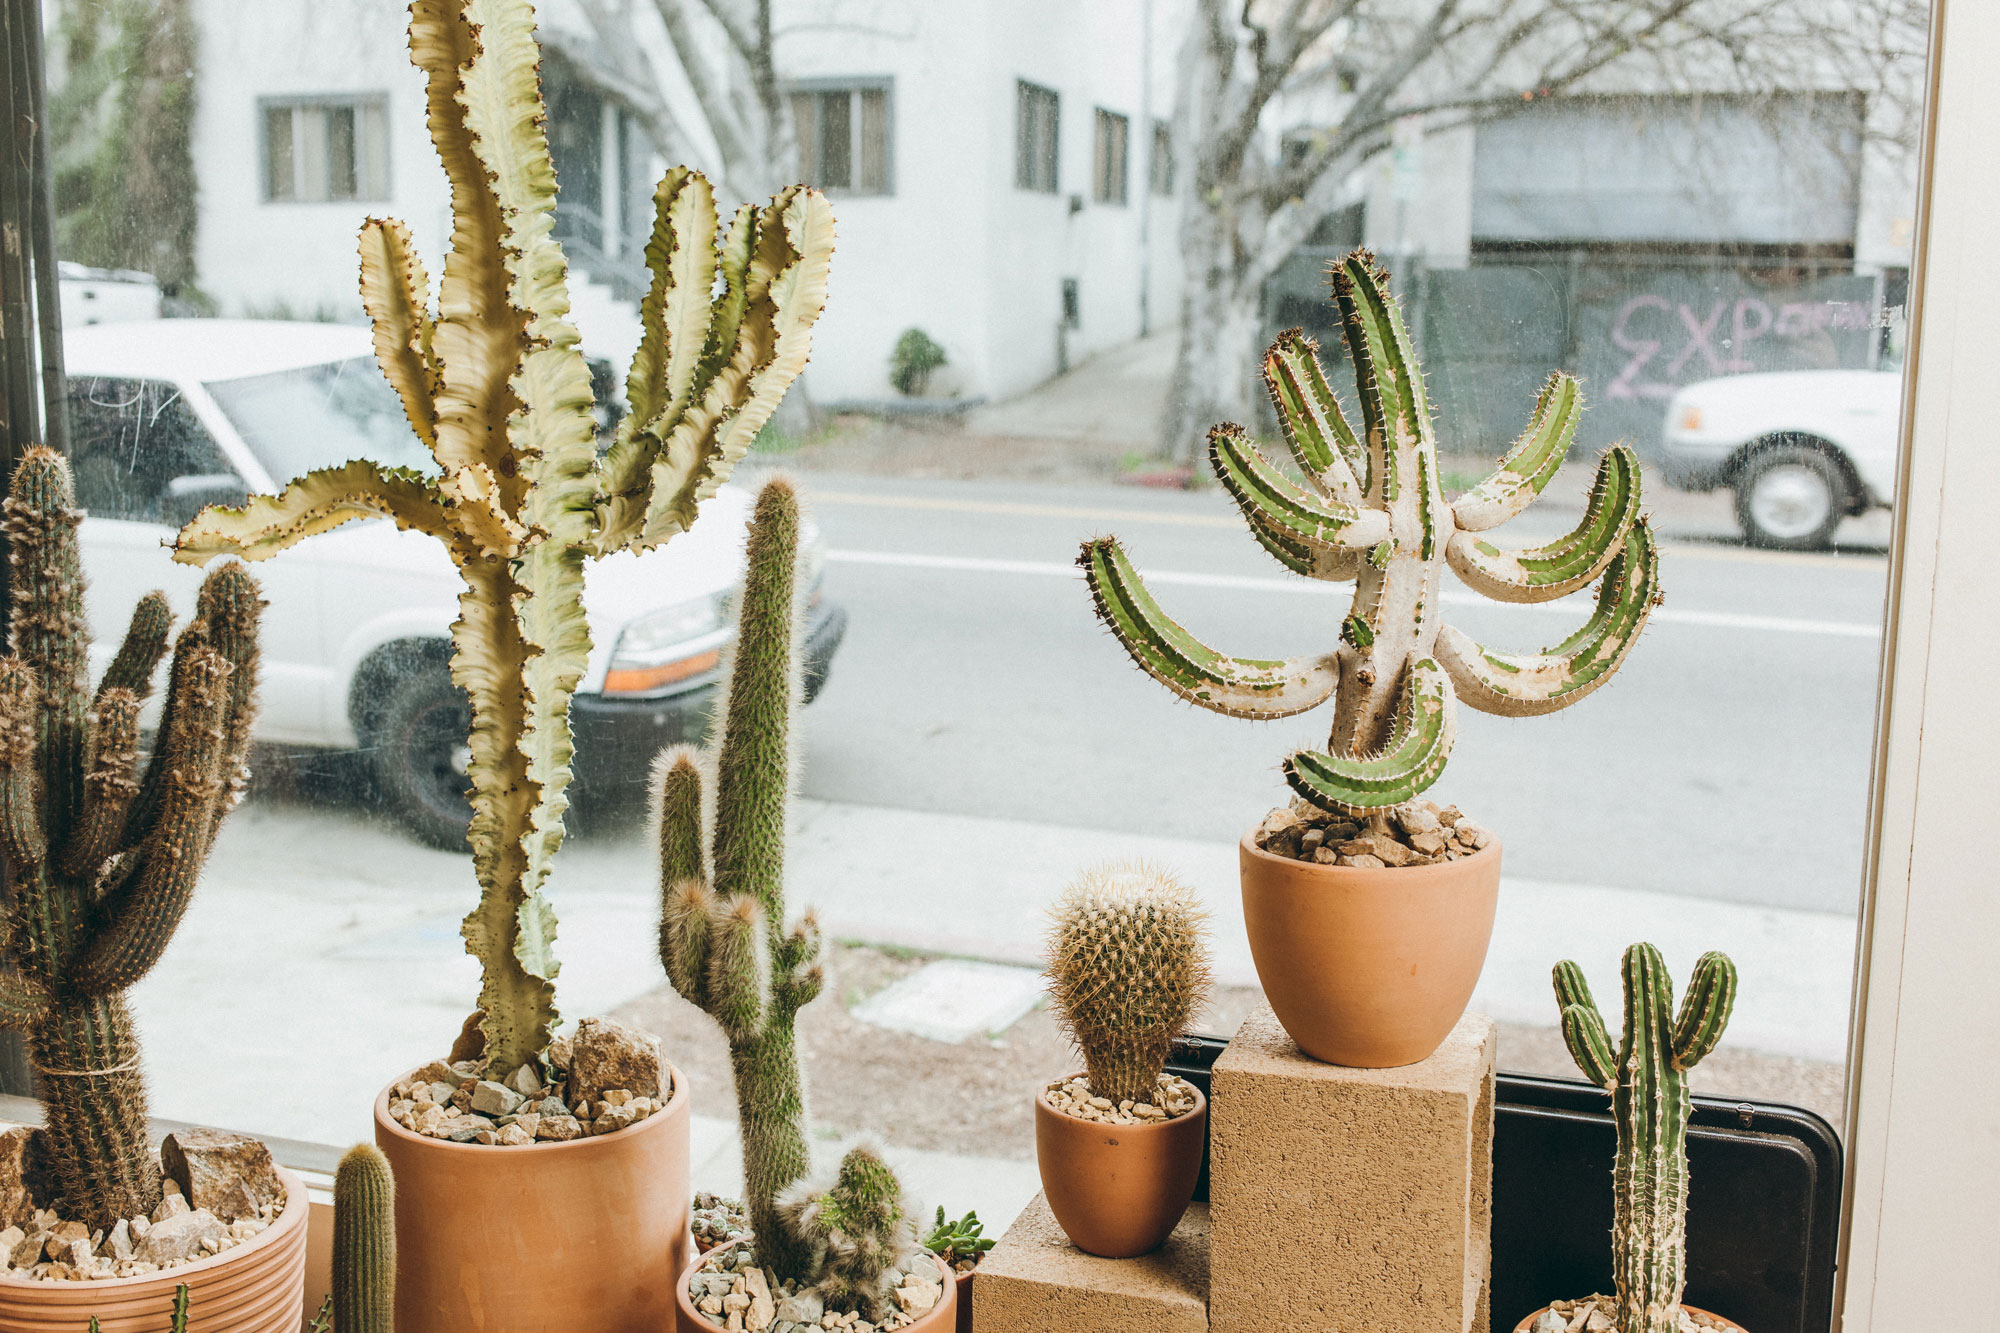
1128, 970
855, 1232
102, 855
1372, 510
493, 382
364, 1243
1647, 1078
177, 1315
956, 1241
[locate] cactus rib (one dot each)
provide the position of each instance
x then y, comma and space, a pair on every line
1321, 441
1265, 496
1575, 560
1418, 747
1530, 464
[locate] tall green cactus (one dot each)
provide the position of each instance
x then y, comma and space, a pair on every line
1647, 1078
495, 385
103, 856
1372, 510
364, 1243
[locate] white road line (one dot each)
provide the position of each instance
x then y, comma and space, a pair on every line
1666, 615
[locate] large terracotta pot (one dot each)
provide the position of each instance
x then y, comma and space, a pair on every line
1118, 1190
1727, 1324
1369, 968
257, 1287
942, 1316
542, 1238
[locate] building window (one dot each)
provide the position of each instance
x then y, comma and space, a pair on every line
844, 136
326, 148
1037, 113
1108, 174
1161, 176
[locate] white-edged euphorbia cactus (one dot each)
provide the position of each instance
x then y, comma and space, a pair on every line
494, 382
1372, 510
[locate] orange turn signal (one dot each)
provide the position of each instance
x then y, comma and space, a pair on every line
640, 680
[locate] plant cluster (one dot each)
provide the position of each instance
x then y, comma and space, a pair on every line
961, 1244
916, 356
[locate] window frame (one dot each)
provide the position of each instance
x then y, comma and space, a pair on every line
1026, 93
1111, 128
359, 103
1160, 159
853, 86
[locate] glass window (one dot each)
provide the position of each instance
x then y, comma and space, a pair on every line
320, 416
1035, 138
140, 453
326, 150
1160, 169
1108, 178
844, 138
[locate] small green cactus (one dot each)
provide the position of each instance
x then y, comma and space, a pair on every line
104, 858
1128, 967
1647, 1078
855, 1232
364, 1243
1372, 510
955, 1241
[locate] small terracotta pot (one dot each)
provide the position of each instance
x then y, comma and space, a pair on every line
965, 1301
1727, 1324
1118, 1190
942, 1316
541, 1238
257, 1287
1368, 968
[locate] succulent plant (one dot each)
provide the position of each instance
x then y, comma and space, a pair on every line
494, 383
1372, 510
1647, 1077
364, 1243
102, 855
177, 1316
954, 1241
1128, 969
855, 1232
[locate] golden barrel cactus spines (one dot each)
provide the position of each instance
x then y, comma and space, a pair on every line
104, 860
1129, 970
493, 382
1371, 509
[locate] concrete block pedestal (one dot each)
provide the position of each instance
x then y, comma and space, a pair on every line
1034, 1280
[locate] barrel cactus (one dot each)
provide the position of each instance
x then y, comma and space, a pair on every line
494, 383
103, 854
1647, 1077
1371, 510
1128, 972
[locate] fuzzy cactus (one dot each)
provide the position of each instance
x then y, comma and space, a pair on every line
364, 1243
103, 855
1647, 1077
855, 1233
494, 383
1372, 511
1128, 969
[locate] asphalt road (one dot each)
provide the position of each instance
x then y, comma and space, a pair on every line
1728, 760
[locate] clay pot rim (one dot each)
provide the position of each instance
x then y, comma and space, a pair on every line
1533, 1315
1043, 1103
1403, 874
681, 1282
384, 1120
297, 1205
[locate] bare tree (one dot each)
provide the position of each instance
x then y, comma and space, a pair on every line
1249, 201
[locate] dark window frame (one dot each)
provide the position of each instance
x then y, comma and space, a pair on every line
375, 188
857, 89
1160, 162
1111, 158
1037, 166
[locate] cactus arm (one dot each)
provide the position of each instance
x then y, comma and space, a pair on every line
1239, 687
796, 967
686, 908
1394, 409
315, 503
1530, 684
1530, 463
1303, 518
739, 966
231, 604
21, 836
139, 655
109, 785
1321, 441
23, 1004
1544, 573
395, 293
1704, 1010
47, 629
677, 799
1583, 1026
1419, 743
364, 1243
1330, 566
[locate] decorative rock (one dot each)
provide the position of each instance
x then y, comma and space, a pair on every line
28, 1251
916, 1297
57, 1243
171, 1205
181, 1236
558, 1128
527, 1080
513, 1136
231, 1175
23, 1173
118, 1241
762, 1310
463, 1128
490, 1098
804, 1307
608, 1054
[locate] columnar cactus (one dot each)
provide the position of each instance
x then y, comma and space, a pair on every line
103, 857
1647, 1078
724, 940
1372, 510
1128, 971
364, 1243
493, 382
855, 1233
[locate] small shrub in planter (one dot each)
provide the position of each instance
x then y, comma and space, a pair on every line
961, 1244
916, 358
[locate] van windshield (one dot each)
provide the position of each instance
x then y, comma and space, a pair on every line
321, 416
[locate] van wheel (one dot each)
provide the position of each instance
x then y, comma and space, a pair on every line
1791, 498
418, 748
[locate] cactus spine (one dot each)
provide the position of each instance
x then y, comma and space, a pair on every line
364, 1243
494, 383
1647, 1078
1128, 971
1372, 511
855, 1232
103, 857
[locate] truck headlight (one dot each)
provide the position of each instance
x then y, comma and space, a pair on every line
1688, 418
670, 645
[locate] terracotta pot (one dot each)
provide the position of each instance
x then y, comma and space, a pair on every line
1523, 1326
1368, 968
542, 1238
942, 1316
257, 1287
1118, 1190
964, 1285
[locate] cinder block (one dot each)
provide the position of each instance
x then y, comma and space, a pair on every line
1035, 1281
1350, 1200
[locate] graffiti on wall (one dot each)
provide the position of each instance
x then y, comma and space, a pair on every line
1667, 344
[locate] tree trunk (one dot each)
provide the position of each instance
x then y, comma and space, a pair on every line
1216, 369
